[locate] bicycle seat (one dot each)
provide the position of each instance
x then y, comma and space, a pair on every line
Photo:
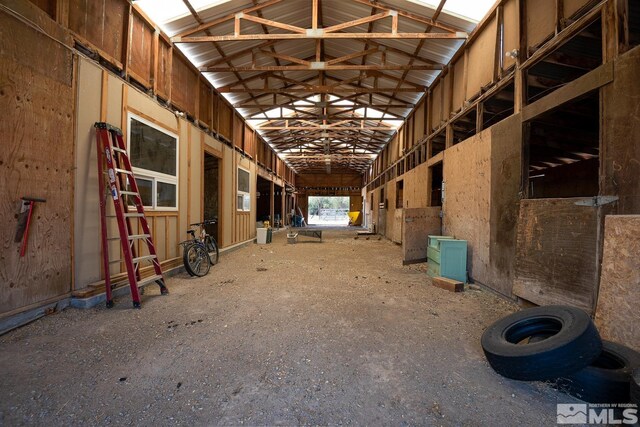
192, 232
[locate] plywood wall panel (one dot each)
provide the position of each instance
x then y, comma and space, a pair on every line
102, 23
238, 131
184, 85
467, 207
436, 106
140, 55
225, 120
419, 121
163, 72
205, 101
481, 59
458, 86
86, 201
573, 6
617, 314
37, 155
541, 17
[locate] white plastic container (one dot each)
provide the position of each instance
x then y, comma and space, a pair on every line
262, 236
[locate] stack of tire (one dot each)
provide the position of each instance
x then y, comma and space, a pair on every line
561, 344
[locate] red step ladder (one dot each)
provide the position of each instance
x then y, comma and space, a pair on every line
117, 182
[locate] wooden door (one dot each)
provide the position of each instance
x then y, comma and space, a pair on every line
558, 251
418, 224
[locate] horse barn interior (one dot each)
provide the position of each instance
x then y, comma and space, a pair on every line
510, 126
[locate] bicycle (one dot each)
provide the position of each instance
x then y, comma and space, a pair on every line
199, 253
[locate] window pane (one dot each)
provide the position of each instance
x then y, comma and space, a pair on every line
246, 203
166, 195
240, 202
152, 149
145, 187
243, 180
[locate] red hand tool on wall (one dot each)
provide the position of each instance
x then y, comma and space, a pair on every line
24, 220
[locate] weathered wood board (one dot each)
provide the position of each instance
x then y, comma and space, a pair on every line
620, 158
139, 56
557, 252
37, 103
101, 24
419, 223
618, 310
397, 226
540, 23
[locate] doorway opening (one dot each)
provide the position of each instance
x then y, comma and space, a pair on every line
211, 194
263, 197
277, 206
436, 184
328, 210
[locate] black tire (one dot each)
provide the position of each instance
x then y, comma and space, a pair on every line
196, 260
607, 379
212, 248
573, 342
635, 387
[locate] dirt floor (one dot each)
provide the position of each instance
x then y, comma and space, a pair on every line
337, 332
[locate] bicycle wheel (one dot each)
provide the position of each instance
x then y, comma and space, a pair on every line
196, 260
212, 248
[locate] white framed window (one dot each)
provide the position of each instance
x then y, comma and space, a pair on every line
243, 199
153, 152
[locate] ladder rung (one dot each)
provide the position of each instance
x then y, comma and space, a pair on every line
144, 258
132, 237
139, 236
115, 261
118, 170
128, 193
149, 279
119, 150
127, 215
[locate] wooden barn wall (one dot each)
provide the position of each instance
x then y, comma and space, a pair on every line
125, 37
36, 159
620, 164
103, 96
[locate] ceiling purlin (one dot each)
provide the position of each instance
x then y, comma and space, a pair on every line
430, 26
323, 129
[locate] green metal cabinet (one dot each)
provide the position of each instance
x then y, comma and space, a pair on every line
447, 257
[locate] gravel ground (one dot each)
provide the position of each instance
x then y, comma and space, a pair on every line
337, 332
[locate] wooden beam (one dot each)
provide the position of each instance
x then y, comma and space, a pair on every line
227, 18
317, 66
319, 34
356, 22
322, 89
582, 85
271, 23
412, 16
